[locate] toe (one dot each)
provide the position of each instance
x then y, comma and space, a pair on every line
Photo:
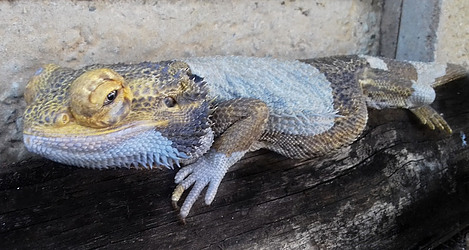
183, 173
190, 199
211, 191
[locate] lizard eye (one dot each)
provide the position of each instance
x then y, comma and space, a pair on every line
110, 97
169, 101
100, 98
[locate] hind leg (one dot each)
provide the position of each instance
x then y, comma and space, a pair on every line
385, 89
346, 129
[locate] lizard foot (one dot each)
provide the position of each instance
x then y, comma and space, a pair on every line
428, 116
208, 170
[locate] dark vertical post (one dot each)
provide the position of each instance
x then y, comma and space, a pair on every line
390, 22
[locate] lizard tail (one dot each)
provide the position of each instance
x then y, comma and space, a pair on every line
453, 72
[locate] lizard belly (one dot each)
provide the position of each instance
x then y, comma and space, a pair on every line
298, 95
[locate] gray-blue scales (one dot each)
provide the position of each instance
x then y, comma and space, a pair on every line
299, 97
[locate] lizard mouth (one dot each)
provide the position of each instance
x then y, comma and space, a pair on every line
135, 145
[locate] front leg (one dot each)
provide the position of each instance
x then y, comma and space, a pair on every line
237, 125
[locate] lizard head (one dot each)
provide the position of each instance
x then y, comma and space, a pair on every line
118, 115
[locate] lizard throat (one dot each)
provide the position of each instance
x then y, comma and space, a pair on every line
136, 146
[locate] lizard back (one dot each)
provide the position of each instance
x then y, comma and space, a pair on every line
299, 96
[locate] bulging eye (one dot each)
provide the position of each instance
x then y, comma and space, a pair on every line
169, 101
100, 98
110, 97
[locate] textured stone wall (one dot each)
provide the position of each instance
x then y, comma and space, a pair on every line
76, 33
452, 44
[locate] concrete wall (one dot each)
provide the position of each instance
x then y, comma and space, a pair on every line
452, 43
77, 33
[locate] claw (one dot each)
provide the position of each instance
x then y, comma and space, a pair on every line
177, 193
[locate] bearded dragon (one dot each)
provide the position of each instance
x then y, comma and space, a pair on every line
206, 113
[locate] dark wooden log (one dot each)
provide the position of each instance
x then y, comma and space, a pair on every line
399, 186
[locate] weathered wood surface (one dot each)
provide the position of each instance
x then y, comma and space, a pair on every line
400, 186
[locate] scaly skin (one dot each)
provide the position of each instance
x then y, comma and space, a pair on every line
206, 113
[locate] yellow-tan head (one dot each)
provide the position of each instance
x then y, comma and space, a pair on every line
117, 115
